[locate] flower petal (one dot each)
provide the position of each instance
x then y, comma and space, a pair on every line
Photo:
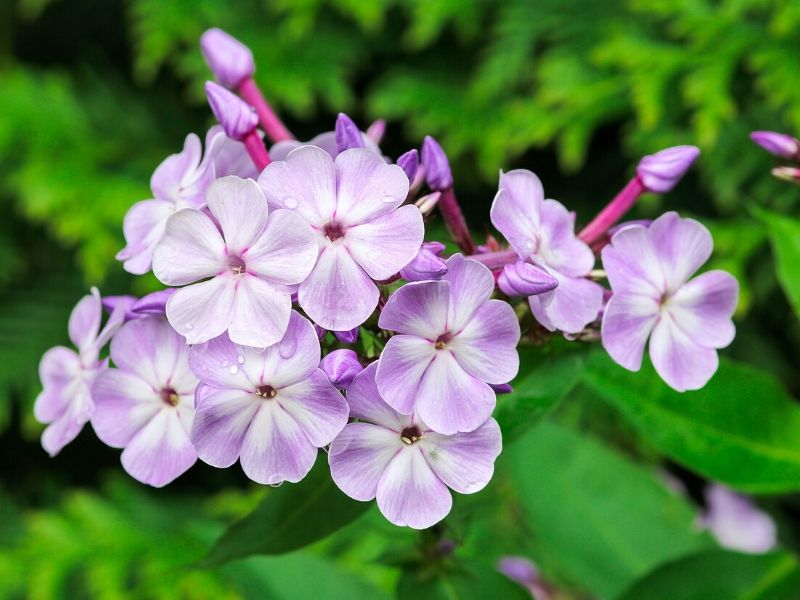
221, 421
559, 247
191, 249
682, 245
683, 364
338, 295
241, 210
202, 311
628, 320
571, 306
471, 285
178, 171
487, 347
403, 363
61, 377
450, 400
418, 308
123, 404
67, 426
366, 403
632, 265
409, 493
84, 321
703, 308
358, 457
516, 210
260, 313
367, 187
316, 406
286, 251
464, 461
388, 243
143, 226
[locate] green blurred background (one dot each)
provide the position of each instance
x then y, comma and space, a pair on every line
95, 93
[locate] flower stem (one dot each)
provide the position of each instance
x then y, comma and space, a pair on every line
454, 219
269, 121
613, 212
257, 150
496, 260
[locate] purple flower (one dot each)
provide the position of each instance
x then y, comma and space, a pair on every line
353, 208
229, 156
437, 166
525, 573
326, 141
247, 257
427, 264
229, 59
779, 144
146, 404
542, 233
737, 523
649, 271
660, 172
236, 117
341, 366
178, 182
65, 404
409, 162
400, 461
271, 409
453, 342
524, 279
348, 135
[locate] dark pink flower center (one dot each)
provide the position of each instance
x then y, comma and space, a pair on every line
410, 434
170, 396
266, 391
334, 231
236, 265
442, 341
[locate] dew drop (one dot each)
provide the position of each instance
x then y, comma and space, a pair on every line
389, 199
233, 369
240, 359
287, 348
290, 203
189, 326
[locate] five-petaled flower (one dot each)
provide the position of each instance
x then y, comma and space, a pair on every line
401, 462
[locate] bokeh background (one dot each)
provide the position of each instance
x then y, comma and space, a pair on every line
95, 93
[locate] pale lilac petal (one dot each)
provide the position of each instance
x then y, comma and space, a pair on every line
516, 210
680, 362
221, 421
203, 310
703, 308
280, 150
160, 451
386, 244
409, 493
338, 295
449, 399
559, 247
62, 378
403, 363
366, 403
682, 245
153, 304
632, 264
487, 347
737, 523
419, 308
464, 461
570, 307
191, 249
240, 209
367, 187
628, 320
295, 357
305, 182
124, 403
67, 427
471, 285
286, 251
143, 226
173, 178
316, 406
222, 364
275, 449
84, 321
358, 457
228, 156
148, 348
261, 312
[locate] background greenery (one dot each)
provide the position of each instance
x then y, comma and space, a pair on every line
94, 94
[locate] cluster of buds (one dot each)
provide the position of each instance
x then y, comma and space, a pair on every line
784, 147
277, 260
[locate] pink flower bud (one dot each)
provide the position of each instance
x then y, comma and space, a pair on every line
779, 144
376, 131
409, 162
229, 59
437, 166
524, 279
426, 265
660, 172
791, 174
426, 204
341, 367
236, 117
347, 337
348, 135
153, 304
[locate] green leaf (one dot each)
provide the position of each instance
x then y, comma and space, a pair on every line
597, 519
742, 428
721, 574
542, 383
465, 582
784, 235
290, 517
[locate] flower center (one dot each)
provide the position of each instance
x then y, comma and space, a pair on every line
410, 434
266, 391
236, 265
170, 396
441, 341
334, 231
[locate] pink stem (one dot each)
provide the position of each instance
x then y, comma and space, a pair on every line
496, 260
257, 150
270, 122
613, 212
454, 219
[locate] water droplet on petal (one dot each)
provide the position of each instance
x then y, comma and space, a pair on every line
290, 203
389, 199
287, 347
189, 326
240, 359
233, 369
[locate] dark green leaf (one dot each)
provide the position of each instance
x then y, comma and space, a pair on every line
466, 582
742, 428
784, 234
597, 519
718, 574
290, 517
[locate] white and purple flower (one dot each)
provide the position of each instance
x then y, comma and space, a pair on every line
364, 235
401, 462
453, 342
686, 320
146, 404
270, 409
542, 233
240, 261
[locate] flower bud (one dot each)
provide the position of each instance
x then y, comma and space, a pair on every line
426, 204
409, 162
426, 265
437, 167
348, 135
237, 118
347, 337
376, 131
779, 144
501, 388
341, 367
153, 304
524, 279
791, 174
519, 569
122, 303
660, 172
229, 59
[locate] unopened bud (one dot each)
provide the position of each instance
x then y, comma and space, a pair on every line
524, 279
426, 265
779, 144
341, 367
237, 118
437, 166
347, 337
660, 172
409, 162
791, 174
348, 135
376, 131
426, 204
229, 59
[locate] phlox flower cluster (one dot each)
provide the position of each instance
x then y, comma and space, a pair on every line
279, 261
